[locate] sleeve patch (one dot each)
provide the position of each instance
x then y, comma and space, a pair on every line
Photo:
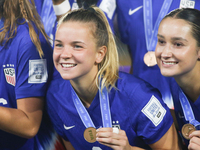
37, 71
154, 111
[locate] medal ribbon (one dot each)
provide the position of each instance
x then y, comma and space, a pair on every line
105, 108
150, 33
187, 110
48, 16
104, 105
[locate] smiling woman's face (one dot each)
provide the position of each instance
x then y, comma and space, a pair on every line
176, 51
75, 52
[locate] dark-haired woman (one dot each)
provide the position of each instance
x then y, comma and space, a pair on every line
178, 56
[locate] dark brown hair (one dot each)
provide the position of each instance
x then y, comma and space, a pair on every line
191, 16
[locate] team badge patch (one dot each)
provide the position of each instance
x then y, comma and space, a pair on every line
154, 111
37, 71
10, 75
187, 4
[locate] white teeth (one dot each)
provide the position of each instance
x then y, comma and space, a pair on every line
169, 63
68, 65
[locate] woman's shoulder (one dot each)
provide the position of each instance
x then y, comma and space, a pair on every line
130, 82
58, 92
59, 84
135, 89
130, 77
22, 36
23, 30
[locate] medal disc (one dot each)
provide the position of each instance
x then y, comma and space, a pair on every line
150, 59
90, 135
187, 129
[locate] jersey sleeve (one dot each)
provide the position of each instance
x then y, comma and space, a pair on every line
52, 108
154, 116
32, 72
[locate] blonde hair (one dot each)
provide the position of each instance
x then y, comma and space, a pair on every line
109, 67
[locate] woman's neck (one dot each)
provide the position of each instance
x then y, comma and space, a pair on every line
190, 86
85, 91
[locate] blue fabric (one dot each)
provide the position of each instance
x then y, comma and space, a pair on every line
38, 5
14, 84
126, 104
48, 16
132, 33
1, 23
179, 111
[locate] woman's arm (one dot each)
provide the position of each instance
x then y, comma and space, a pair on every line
169, 141
25, 120
68, 145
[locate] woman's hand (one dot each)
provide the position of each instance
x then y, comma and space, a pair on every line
114, 140
194, 141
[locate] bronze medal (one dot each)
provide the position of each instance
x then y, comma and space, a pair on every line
90, 135
150, 59
187, 129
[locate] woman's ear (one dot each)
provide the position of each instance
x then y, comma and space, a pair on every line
101, 52
198, 53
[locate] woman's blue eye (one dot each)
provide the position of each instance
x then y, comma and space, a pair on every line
161, 41
58, 45
77, 46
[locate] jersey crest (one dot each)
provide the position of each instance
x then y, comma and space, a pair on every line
9, 73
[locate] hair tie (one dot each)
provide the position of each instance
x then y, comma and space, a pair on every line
90, 9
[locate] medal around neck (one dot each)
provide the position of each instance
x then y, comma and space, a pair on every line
150, 31
90, 131
187, 129
150, 59
90, 134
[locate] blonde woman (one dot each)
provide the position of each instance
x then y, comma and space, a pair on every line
93, 106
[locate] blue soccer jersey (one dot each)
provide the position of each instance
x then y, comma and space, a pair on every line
131, 26
38, 5
179, 111
24, 74
135, 107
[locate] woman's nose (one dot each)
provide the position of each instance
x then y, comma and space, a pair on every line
166, 52
66, 53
